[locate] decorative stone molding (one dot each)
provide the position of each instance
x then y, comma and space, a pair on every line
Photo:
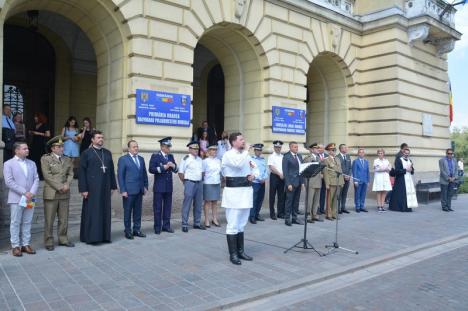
445, 45
417, 33
335, 34
239, 8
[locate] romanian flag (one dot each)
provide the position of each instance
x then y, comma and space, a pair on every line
450, 103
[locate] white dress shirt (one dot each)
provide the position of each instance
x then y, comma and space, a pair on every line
276, 160
192, 168
23, 165
212, 170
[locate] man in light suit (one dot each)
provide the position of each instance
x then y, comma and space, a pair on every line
315, 184
22, 181
448, 177
360, 170
345, 162
293, 183
133, 183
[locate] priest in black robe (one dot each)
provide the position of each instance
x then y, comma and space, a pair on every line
96, 182
403, 198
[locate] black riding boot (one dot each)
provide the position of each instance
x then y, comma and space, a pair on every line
232, 246
240, 247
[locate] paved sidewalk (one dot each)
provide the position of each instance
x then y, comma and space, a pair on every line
192, 271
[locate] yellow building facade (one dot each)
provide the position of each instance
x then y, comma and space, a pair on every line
369, 73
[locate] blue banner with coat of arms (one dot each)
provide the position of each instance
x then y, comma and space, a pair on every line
288, 120
162, 108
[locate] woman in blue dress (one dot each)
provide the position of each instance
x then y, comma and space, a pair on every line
71, 139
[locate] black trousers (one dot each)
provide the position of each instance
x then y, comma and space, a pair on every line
276, 188
342, 197
292, 203
323, 195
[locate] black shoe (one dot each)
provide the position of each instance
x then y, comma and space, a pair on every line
358, 211
168, 230
297, 221
252, 220
259, 218
445, 210
240, 247
68, 244
207, 226
340, 212
157, 231
281, 216
310, 221
299, 212
199, 227
49, 248
232, 247
318, 219
288, 223
139, 234
184, 229
129, 236
215, 224
364, 210
345, 211
273, 217
450, 210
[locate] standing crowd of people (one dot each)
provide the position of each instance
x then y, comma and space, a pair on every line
243, 175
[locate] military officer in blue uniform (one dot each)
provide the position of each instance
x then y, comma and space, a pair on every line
258, 184
163, 165
191, 175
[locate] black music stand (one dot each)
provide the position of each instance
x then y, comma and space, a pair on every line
335, 246
312, 170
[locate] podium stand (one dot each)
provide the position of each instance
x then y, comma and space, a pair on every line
311, 170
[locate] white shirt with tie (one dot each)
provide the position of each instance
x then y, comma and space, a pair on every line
135, 159
23, 165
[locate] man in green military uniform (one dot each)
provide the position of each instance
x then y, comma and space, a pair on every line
333, 178
58, 174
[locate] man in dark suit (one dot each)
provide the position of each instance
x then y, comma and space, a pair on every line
133, 183
293, 183
448, 177
345, 162
163, 165
323, 191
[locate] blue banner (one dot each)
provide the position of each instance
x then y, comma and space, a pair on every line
288, 120
162, 108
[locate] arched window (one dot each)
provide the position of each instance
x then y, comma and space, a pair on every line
12, 96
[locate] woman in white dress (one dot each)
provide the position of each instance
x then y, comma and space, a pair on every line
211, 185
382, 183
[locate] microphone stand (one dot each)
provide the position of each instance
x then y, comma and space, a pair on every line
304, 243
335, 246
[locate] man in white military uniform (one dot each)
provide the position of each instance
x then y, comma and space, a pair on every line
191, 175
236, 167
275, 164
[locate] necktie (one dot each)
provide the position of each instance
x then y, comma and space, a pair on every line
136, 161
362, 162
9, 122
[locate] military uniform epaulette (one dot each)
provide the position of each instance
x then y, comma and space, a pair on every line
186, 157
